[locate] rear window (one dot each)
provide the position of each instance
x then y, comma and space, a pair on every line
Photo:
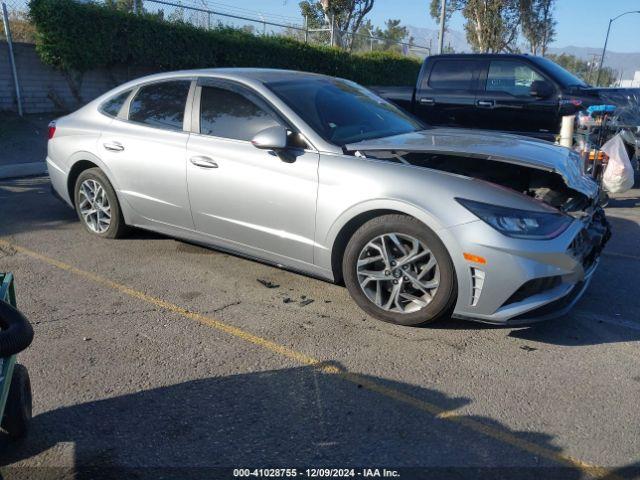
452, 74
161, 105
112, 106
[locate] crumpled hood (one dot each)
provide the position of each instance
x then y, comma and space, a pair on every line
502, 147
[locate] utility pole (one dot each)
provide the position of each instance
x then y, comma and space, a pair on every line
443, 9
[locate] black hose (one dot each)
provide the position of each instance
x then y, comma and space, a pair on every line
16, 332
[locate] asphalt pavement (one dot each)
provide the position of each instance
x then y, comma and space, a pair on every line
160, 357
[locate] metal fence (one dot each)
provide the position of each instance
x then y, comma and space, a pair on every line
18, 22
208, 14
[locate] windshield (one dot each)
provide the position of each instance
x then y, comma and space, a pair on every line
566, 78
343, 112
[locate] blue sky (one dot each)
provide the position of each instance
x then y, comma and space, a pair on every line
580, 22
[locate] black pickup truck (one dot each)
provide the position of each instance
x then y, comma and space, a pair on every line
514, 93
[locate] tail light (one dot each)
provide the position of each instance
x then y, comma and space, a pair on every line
52, 129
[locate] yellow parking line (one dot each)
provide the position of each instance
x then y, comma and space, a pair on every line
445, 415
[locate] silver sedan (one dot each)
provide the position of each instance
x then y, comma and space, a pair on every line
321, 176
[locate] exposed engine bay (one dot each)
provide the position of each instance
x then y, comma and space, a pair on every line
548, 187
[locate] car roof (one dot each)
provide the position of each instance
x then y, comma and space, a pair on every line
262, 75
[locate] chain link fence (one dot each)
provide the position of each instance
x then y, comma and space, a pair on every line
207, 14
22, 30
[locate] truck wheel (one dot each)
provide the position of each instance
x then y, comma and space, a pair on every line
17, 412
398, 270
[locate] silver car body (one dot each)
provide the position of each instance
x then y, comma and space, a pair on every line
292, 214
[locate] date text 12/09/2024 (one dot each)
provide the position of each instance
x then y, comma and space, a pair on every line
315, 472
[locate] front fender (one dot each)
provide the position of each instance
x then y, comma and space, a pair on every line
326, 240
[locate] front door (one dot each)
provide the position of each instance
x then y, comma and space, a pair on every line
506, 104
248, 197
146, 152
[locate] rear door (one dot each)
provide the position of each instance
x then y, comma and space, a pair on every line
504, 102
145, 149
447, 92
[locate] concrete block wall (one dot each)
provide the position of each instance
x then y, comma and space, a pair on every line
45, 89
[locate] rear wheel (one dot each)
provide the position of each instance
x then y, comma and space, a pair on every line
97, 205
398, 270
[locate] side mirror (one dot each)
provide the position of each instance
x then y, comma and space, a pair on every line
541, 89
272, 138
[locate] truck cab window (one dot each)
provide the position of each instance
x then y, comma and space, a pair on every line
452, 74
511, 77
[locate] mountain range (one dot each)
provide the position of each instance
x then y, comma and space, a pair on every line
624, 63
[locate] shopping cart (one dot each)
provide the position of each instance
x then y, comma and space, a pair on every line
15, 388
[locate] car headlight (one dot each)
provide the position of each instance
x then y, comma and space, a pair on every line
517, 223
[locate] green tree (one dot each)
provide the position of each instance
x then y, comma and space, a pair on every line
587, 71
452, 7
538, 24
362, 39
491, 25
347, 17
124, 5
392, 34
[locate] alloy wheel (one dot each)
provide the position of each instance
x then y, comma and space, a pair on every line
398, 273
94, 206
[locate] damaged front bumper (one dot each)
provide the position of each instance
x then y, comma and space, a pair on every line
526, 281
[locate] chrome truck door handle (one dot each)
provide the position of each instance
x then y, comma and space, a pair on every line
427, 101
113, 146
485, 103
204, 162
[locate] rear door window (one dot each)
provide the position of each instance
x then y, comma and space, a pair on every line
511, 77
453, 74
231, 114
160, 105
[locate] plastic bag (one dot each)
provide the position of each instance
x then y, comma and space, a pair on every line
618, 177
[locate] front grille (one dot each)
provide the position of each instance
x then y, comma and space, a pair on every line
590, 241
533, 287
553, 308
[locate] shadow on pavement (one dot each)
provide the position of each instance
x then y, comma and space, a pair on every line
296, 417
27, 205
624, 202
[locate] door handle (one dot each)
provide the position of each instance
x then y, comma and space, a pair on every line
485, 103
204, 162
427, 101
113, 146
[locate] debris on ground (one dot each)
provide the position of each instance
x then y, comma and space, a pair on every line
267, 283
306, 302
527, 348
287, 300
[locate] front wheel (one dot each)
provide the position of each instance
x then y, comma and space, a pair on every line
398, 270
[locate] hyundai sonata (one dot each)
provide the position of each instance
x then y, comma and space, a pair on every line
321, 176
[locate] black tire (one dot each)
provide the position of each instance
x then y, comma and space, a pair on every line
443, 301
117, 227
17, 412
